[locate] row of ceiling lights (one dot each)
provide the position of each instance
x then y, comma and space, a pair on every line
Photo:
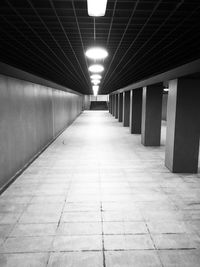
96, 8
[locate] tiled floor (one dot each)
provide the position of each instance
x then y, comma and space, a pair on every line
98, 198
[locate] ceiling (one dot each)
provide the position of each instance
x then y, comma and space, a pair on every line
144, 37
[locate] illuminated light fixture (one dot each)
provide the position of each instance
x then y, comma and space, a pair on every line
95, 89
166, 89
95, 82
96, 68
95, 77
96, 53
96, 8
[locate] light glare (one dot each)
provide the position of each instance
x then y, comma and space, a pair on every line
95, 77
95, 82
96, 53
96, 68
96, 8
95, 89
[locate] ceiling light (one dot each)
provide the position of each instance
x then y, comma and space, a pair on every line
95, 89
96, 8
96, 76
95, 82
166, 89
96, 53
96, 68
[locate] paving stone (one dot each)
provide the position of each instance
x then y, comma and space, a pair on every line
24, 260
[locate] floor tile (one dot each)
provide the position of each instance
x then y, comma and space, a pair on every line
24, 260
124, 242
5, 230
176, 241
76, 259
180, 258
142, 258
30, 217
74, 228
124, 228
81, 217
26, 244
77, 243
45, 229
167, 227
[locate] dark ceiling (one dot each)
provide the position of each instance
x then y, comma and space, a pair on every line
144, 37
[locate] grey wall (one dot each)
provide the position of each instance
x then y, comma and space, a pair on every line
87, 102
164, 107
31, 116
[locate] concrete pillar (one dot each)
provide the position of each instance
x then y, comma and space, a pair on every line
120, 107
126, 108
116, 106
183, 126
113, 104
135, 111
110, 103
151, 114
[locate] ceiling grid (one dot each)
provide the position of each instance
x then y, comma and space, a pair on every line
49, 38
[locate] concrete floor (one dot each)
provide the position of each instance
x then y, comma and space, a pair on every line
98, 198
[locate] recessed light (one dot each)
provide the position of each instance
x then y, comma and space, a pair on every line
96, 8
95, 76
95, 82
96, 68
96, 53
95, 89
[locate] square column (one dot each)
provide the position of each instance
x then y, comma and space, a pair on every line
126, 108
120, 107
116, 106
183, 126
151, 114
110, 103
136, 111
113, 104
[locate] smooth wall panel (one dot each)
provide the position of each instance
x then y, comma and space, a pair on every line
31, 115
66, 106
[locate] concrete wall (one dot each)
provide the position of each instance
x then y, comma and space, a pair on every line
164, 107
87, 102
99, 98
31, 116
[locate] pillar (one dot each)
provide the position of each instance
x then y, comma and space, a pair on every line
135, 111
113, 104
120, 107
183, 126
116, 106
110, 103
151, 114
126, 108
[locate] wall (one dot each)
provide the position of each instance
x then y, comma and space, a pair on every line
87, 102
99, 98
31, 115
164, 107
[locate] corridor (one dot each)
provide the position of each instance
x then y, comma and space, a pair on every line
97, 198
